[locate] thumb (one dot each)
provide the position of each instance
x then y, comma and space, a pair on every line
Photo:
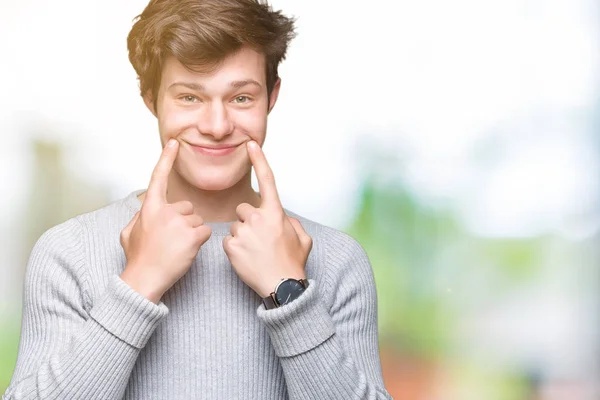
131, 223
124, 237
304, 237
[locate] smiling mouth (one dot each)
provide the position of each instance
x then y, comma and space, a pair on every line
208, 151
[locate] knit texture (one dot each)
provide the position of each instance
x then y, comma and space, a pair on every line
86, 334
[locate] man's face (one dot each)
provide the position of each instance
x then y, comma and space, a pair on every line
226, 107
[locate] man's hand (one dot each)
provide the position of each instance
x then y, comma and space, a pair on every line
265, 245
162, 240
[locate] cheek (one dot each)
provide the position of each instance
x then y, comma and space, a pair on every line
174, 120
253, 124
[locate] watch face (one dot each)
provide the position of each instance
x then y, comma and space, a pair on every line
288, 290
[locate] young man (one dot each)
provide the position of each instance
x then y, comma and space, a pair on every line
199, 287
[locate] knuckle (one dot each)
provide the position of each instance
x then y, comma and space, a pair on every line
255, 216
167, 214
171, 217
240, 208
170, 210
179, 222
232, 243
196, 221
226, 242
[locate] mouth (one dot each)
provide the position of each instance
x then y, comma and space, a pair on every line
215, 152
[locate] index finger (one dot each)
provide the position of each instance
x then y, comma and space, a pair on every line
157, 189
264, 174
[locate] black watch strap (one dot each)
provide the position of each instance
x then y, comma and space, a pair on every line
270, 302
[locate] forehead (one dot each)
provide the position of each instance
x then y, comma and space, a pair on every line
245, 64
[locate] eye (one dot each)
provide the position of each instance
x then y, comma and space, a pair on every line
242, 99
189, 98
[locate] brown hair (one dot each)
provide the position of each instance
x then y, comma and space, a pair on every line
202, 33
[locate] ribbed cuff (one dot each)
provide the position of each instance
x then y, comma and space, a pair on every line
127, 314
298, 326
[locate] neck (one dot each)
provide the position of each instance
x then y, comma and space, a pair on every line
212, 205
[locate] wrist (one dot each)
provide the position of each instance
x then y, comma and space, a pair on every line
285, 292
149, 291
269, 285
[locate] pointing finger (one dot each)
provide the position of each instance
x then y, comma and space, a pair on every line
157, 189
264, 174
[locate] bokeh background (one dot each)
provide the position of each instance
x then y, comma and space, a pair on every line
459, 142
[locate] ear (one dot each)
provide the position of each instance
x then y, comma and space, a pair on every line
149, 103
274, 94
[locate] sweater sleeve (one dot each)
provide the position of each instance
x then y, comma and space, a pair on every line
331, 353
66, 352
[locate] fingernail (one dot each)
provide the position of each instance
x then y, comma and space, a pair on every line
252, 144
172, 143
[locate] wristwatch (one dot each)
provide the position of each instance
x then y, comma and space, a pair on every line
285, 292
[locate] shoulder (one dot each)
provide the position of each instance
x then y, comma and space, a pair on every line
69, 238
338, 252
114, 215
56, 267
341, 242
60, 257
62, 237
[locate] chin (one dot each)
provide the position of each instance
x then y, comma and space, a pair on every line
212, 182
212, 187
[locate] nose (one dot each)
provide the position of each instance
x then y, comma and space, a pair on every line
214, 121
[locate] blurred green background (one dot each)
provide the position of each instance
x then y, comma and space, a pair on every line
459, 143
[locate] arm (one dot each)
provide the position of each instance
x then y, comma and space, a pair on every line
66, 352
331, 354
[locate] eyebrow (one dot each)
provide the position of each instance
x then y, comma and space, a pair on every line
199, 88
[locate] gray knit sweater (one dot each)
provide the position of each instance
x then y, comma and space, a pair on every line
86, 334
